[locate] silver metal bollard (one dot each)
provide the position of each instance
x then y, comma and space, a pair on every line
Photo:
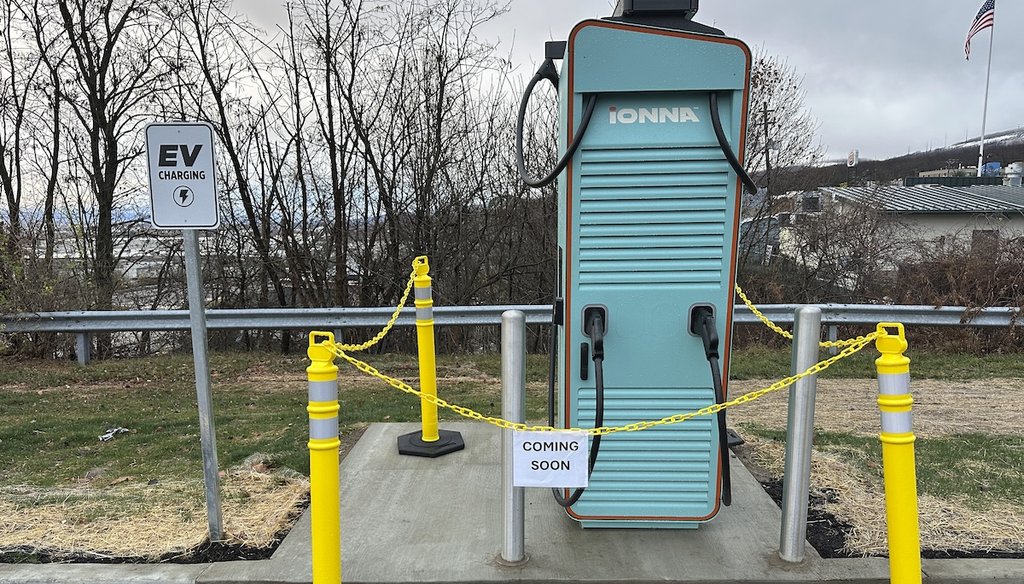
513, 406
796, 482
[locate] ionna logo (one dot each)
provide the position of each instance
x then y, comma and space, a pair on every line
651, 115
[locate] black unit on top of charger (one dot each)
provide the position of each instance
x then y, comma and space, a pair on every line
673, 14
628, 7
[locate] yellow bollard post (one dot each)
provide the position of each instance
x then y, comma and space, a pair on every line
422, 287
895, 401
430, 441
324, 498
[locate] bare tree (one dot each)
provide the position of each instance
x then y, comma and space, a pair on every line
358, 135
117, 70
53, 55
847, 252
30, 134
781, 140
222, 46
781, 132
17, 75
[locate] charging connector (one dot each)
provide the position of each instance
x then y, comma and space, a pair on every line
702, 324
595, 325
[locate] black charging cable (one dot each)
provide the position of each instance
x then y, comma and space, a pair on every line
703, 325
723, 143
595, 325
547, 71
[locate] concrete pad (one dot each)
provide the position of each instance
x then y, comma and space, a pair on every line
408, 519
100, 573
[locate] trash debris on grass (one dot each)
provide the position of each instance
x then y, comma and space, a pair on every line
111, 432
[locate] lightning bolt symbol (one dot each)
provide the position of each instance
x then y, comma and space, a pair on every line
183, 194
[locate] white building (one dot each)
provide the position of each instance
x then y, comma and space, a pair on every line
934, 214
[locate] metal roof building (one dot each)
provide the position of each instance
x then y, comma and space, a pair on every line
928, 199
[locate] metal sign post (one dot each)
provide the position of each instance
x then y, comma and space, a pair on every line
183, 195
207, 433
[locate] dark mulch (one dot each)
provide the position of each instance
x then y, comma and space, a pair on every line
824, 531
206, 552
828, 534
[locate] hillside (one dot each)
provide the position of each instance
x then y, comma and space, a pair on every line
1006, 147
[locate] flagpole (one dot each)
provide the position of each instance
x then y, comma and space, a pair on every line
984, 111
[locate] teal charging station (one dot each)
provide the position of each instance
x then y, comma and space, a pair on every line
651, 124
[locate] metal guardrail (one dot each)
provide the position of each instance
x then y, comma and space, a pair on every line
330, 318
256, 319
83, 323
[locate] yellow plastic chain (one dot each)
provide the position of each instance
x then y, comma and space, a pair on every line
394, 316
778, 329
850, 349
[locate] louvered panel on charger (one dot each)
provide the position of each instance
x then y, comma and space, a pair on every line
671, 478
652, 216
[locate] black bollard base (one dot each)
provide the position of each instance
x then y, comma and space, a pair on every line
735, 439
448, 441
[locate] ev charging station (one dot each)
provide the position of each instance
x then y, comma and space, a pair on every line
652, 117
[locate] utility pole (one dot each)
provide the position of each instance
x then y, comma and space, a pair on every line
766, 121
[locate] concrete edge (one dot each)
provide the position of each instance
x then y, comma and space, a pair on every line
973, 571
839, 571
101, 573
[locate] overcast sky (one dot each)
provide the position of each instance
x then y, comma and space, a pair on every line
881, 76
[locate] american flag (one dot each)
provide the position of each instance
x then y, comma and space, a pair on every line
985, 19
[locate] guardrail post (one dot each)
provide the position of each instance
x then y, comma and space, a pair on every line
799, 435
897, 437
83, 348
513, 405
324, 498
429, 442
833, 335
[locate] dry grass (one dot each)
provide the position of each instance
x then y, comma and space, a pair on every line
941, 408
123, 518
856, 495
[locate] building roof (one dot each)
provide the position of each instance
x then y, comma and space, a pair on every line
935, 198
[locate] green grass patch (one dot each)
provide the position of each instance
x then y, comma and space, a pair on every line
54, 412
977, 468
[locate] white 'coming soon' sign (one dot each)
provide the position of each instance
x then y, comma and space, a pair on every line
549, 459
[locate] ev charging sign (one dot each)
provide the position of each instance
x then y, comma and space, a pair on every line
182, 185
549, 459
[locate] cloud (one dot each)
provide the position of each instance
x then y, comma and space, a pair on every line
879, 75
